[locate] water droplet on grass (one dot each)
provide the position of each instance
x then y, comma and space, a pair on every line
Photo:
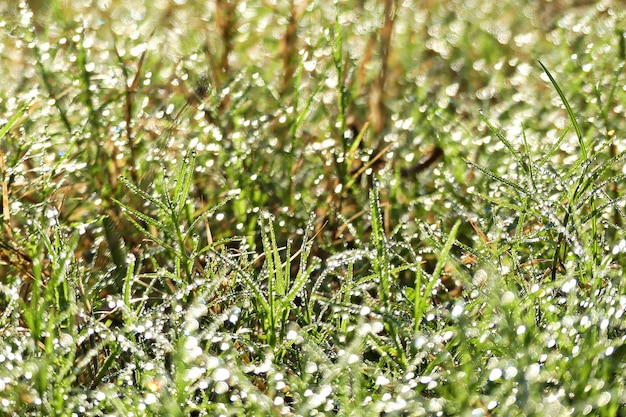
532, 372
457, 310
221, 388
495, 374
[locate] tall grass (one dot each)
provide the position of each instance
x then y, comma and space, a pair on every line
311, 208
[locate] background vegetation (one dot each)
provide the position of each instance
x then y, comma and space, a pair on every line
312, 207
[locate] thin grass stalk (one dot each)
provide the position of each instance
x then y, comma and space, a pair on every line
559, 253
442, 258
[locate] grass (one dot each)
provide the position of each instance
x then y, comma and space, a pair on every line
312, 208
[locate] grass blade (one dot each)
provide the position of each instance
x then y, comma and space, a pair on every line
441, 262
570, 112
381, 260
141, 193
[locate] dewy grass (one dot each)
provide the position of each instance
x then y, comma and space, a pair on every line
312, 208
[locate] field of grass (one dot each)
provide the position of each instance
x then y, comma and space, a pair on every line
261, 207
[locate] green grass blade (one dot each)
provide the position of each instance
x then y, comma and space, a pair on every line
305, 269
441, 262
114, 242
143, 217
141, 193
127, 289
183, 181
147, 219
570, 112
246, 277
598, 210
206, 213
503, 139
599, 170
381, 260
9, 125
498, 178
553, 148
500, 202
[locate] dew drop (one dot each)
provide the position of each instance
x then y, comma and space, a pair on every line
457, 311
495, 374
221, 374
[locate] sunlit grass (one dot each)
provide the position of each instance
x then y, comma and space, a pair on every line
309, 208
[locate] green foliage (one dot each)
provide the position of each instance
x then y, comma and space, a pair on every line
312, 208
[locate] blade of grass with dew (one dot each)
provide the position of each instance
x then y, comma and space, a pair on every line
206, 213
598, 171
245, 276
127, 291
598, 210
521, 190
60, 252
337, 51
366, 166
113, 355
380, 262
441, 261
528, 163
150, 220
16, 117
115, 244
270, 271
306, 266
145, 218
276, 286
5, 189
570, 112
558, 255
500, 202
306, 110
600, 189
141, 193
351, 154
183, 182
347, 224
62, 262
504, 140
553, 148
417, 299
34, 308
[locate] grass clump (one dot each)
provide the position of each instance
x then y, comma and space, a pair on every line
312, 208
